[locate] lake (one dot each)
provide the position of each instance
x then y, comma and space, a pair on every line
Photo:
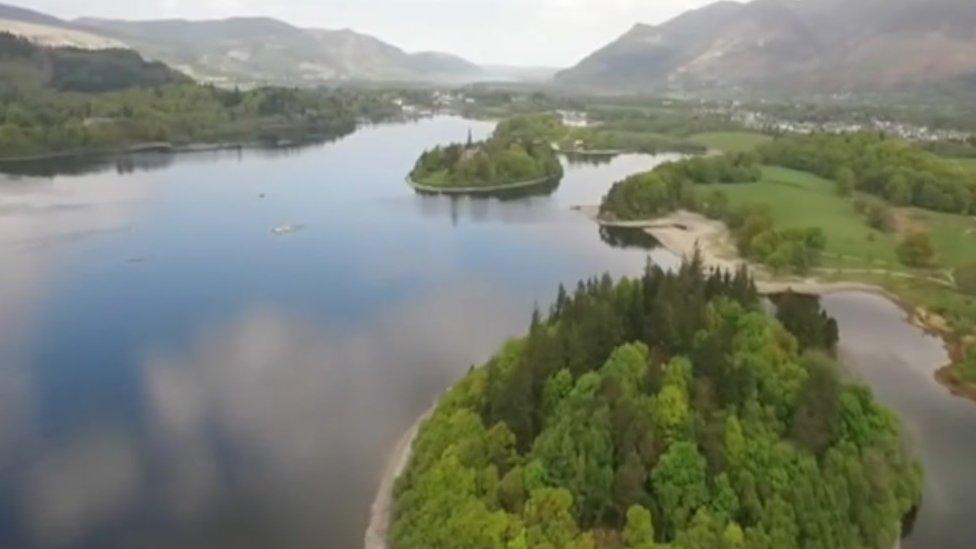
173, 373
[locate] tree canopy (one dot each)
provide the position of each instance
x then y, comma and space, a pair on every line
666, 411
898, 171
517, 152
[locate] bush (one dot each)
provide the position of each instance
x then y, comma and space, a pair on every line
880, 217
966, 278
845, 181
915, 250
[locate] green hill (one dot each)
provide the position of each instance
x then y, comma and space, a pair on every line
71, 69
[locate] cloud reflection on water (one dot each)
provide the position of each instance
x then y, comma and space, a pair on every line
272, 408
88, 482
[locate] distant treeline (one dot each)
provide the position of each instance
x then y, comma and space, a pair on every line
896, 170
56, 100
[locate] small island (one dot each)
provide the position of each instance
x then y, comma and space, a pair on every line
516, 156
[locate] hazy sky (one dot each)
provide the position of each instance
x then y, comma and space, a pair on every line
522, 32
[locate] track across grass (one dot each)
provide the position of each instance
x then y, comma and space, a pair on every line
730, 141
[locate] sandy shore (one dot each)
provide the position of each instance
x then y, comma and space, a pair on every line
683, 231
381, 511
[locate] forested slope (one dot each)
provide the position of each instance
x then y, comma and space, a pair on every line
67, 100
667, 411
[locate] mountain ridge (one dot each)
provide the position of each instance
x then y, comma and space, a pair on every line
272, 51
819, 46
246, 50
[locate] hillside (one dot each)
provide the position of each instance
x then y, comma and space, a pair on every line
263, 50
245, 50
814, 46
25, 64
46, 30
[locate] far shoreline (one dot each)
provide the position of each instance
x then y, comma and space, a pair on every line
162, 147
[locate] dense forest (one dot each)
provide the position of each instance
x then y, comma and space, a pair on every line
70, 100
665, 411
900, 172
518, 151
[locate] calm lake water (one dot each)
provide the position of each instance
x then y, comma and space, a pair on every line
173, 374
898, 361
173, 371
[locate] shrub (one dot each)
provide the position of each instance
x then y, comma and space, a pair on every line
915, 250
880, 217
966, 278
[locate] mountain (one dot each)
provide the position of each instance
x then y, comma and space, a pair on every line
790, 46
14, 13
248, 50
46, 30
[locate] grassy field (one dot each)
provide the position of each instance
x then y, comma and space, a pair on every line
855, 251
730, 141
630, 141
968, 163
800, 200
953, 236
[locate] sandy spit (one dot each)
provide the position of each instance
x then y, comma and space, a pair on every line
381, 511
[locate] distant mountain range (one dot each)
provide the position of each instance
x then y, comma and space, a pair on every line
267, 50
251, 50
764, 48
789, 46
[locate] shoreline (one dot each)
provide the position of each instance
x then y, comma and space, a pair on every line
682, 232
381, 510
594, 152
158, 147
420, 187
172, 148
